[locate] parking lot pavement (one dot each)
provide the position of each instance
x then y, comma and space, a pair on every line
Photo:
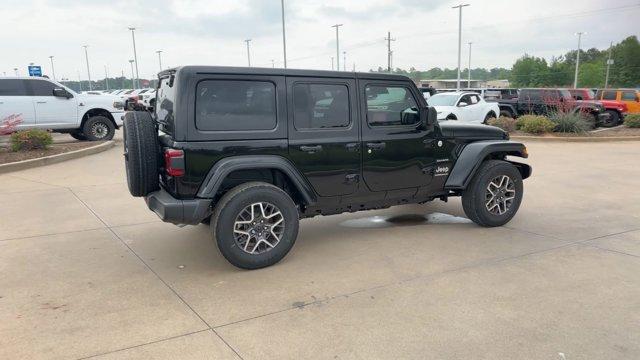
88, 271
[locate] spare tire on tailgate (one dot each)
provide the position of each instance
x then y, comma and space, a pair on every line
141, 153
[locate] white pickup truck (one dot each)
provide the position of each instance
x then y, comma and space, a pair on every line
43, 103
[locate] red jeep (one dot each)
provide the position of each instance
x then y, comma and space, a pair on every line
616, 109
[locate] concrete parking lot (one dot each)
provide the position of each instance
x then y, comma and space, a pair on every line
87, 271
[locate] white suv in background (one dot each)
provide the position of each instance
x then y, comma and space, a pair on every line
467, 107
42, 103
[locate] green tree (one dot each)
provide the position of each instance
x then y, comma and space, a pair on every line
529, 71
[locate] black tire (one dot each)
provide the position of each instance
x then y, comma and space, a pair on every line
232, 204
506, 113
614, 119
98, 128
141, 153
78, 136
490, 115
474, 197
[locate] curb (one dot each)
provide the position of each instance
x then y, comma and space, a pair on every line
577, 138
53, 159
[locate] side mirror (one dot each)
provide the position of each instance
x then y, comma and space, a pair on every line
58, 92
462, 104
428, 117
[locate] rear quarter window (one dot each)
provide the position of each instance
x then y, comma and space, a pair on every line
235, 105
165, 105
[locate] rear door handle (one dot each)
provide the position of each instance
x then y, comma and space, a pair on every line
376, 145
41, 102
311, 149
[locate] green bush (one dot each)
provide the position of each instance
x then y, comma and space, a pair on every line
570, 122
30, 140
505, 123
535, 124
632, 120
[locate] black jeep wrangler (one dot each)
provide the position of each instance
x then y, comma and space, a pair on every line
253, 150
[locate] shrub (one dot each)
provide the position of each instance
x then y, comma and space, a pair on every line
30, 140
535, 124
632, 120
503, 122
570, 122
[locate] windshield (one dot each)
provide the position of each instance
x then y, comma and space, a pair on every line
442, 100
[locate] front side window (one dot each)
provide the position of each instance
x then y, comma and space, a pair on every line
629, 96
320, 106
609, 95
390, 106
235, 105
42, 87
13, 87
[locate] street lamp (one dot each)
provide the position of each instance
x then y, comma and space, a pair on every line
159, 52
284, 37
135, 54
106, 76
344, 61
469, 79
86, 56
248, 52
15, 70
337, 26
132, 75
575, 79
459, 7
53, 71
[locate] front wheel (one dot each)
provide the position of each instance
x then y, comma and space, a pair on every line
494, 194
255, 225
612, 120
98, 128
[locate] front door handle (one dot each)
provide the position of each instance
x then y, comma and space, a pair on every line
311, 149
351, 146
376, 145
41, 102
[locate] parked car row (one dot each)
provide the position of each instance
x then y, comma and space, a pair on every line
606, 108
133, 99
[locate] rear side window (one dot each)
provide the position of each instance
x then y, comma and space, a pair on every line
41, 87
13, 87
609, 95
629, 95
235, 105
390, 106
320, 106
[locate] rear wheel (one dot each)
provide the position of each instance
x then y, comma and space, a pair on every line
506, 113
494, 194
255, 225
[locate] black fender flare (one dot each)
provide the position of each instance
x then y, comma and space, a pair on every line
224, 167
508, 107
475, 153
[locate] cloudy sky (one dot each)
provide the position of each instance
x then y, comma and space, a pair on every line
211, 32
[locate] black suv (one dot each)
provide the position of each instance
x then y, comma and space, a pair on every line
254, 150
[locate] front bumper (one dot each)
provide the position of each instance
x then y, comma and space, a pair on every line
176, 211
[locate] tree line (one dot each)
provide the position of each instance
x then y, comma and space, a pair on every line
531, 71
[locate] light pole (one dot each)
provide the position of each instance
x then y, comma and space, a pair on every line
332, 66
609, 63
273, 63
135, 55
106, 76
389, 40
86, 56
575, 78
337, 26
79, 81
159, 52
469, 79
344, 61
248, 52
284, 37
132, 75
459, 7
53, 71
15, 70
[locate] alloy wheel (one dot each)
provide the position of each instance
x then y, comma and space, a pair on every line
500, 195
258, 228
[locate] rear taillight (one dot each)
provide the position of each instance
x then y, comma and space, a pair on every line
174, 162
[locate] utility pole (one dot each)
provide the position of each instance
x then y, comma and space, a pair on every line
79, 81
609, 63
389, 40
459, 7
273, 63
53, 71
284, 37
86, 56
575, 79
133, 85
344, 61
159, 52
332, 67
135, 56
248, 52
469, 79
106, 76
337, 26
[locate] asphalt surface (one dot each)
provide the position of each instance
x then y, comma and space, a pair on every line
87, 271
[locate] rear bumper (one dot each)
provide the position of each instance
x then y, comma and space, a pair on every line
176, 211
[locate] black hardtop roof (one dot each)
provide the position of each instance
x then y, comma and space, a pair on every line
231, 70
